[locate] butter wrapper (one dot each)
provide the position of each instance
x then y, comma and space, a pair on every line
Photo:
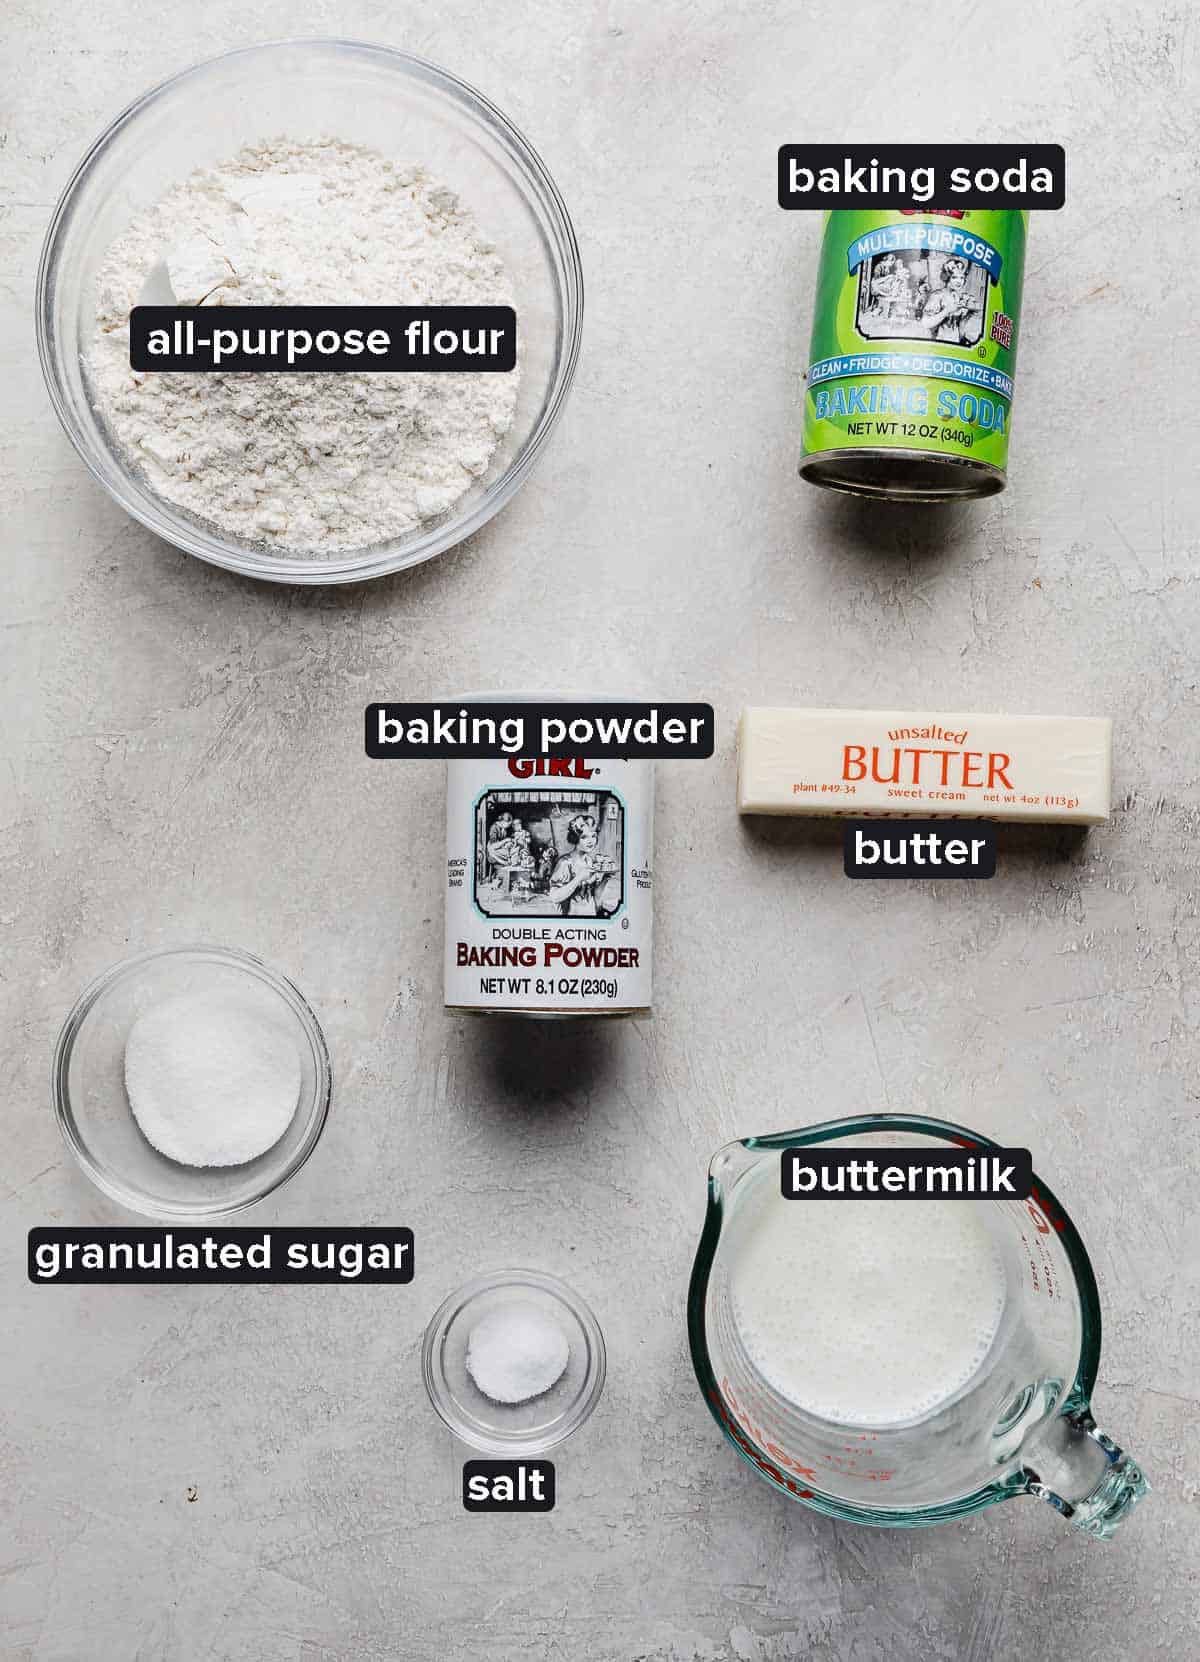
925, 764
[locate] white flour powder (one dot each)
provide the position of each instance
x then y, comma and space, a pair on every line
210, 1082
304, 463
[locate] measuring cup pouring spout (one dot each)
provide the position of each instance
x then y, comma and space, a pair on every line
1019, 1422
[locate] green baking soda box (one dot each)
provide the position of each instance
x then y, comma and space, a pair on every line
914, 341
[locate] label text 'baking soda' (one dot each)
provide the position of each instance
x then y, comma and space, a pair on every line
943, 179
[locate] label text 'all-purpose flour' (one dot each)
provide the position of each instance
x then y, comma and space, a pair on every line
306, 463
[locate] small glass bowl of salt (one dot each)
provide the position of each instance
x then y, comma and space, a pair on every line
191, 1082
514, 1362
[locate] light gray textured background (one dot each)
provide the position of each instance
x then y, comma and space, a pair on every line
182, 758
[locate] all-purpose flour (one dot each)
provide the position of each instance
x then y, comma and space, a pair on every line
304, 463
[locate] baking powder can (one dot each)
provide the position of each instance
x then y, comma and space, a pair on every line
549, 885
914, 341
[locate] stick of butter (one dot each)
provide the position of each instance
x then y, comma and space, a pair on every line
914, 764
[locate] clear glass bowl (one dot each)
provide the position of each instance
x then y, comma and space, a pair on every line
517, 1430
370, 95
94, 1116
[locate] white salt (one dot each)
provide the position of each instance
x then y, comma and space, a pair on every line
516, 1352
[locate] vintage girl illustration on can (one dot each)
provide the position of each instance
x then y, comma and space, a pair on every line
585, 883
918, 295
539, 853
549, 885
953, 309
914, 337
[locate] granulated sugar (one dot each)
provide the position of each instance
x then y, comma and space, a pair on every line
304, 463
210, 1082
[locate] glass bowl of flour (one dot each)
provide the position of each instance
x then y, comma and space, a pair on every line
191, 1082
317, 172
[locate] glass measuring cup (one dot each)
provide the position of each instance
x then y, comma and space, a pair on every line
1022, 1425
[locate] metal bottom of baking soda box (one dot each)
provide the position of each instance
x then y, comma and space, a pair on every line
910, 377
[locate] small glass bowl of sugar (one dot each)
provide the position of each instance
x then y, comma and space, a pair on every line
514, 1362
191, 1082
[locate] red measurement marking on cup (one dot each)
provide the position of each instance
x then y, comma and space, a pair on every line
1050, 1212
862, 1446
748, 1448
742, 1428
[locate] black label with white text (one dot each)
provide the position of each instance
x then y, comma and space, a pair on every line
550, 733
508, 1486
906, 1173
945, 178
330, 1255
919, 848
293, 340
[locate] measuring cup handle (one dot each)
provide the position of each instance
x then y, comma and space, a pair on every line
1102, 1505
